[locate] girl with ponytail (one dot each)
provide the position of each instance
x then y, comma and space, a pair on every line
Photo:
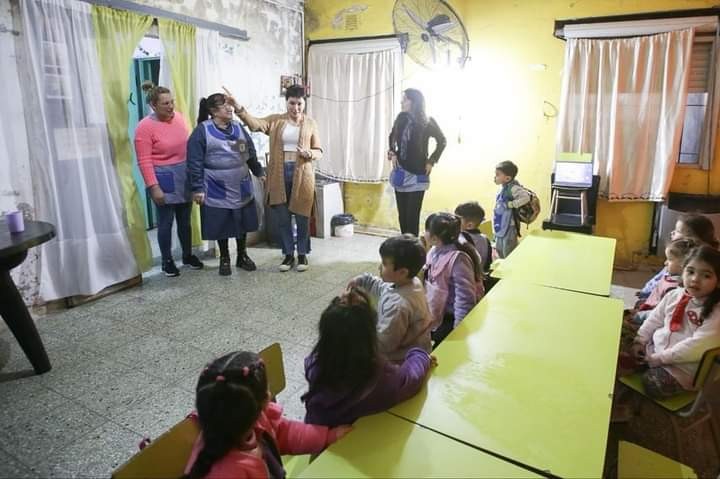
453, 274
243, 433
672, 340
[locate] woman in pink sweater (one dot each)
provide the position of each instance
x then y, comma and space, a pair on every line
160, 146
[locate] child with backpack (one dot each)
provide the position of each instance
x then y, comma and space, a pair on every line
453, 274
243, 434
471, 215
510, 198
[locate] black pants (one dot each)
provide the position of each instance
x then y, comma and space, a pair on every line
181, 213
445, 328
409, 205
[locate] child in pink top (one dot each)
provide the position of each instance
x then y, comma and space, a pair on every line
160, 147
243, 434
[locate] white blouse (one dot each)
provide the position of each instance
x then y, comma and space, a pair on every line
290, 137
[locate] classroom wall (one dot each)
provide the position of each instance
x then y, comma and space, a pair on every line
15, 178
501, 107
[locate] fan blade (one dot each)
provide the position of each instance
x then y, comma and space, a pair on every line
438, 20
432, 49
415, 18
451, 40
442, 28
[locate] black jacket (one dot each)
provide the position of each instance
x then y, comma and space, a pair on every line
417, 154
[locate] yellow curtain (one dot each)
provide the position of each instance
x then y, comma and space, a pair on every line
117, 33
178, 41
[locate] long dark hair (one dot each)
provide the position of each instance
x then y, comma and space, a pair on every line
711, 256
212, 102
346, 353
230, 395
446, 227
701, 228
417, 100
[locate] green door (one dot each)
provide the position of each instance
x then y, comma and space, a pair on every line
142, 69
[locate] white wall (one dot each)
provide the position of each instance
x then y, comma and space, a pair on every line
15, 178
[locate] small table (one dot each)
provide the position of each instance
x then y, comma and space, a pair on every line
384, 445
559, 259
527, 375
13, 251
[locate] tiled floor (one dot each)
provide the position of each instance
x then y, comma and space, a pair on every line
125, 366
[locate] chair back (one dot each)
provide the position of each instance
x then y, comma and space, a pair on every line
165, 457
274, 368
706, 364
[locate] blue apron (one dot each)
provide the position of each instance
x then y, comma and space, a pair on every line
174, 182
228, 183
404, 181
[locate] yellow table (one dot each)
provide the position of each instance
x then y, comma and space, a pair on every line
386, 446
561, 260
528, 375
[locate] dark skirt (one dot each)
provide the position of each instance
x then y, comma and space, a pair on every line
222, 223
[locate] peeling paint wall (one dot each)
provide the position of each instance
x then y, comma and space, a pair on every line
15, 178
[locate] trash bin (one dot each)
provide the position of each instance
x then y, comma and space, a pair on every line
343, 225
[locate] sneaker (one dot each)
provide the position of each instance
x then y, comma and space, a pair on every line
225, 269
244, 262
287, 263
170, 269
302, 263
193, 261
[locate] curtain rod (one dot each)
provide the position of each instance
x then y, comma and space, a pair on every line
350, 39
224, 30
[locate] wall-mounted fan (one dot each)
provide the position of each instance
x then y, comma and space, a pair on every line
431, 33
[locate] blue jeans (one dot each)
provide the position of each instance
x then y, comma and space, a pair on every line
181, 213
283, 215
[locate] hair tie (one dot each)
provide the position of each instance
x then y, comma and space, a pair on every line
220, 378
245, 371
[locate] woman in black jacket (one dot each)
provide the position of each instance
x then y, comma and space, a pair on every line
409, 155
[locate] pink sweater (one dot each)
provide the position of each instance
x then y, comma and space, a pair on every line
160, 143
290, 437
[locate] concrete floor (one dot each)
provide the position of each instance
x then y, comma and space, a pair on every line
125, 366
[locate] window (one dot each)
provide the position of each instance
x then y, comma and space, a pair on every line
697, 100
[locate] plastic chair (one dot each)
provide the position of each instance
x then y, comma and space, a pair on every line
700, 405
637, 462
167, 456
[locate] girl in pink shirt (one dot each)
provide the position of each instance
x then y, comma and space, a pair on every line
160, 146
243, 434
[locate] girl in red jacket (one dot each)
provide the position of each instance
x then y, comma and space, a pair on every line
243, 434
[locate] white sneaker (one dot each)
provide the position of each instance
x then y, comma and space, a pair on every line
287, 263
302, 263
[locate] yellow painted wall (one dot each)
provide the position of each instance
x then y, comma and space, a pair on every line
494, 110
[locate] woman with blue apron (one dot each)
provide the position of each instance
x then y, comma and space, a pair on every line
160, 147
221, 156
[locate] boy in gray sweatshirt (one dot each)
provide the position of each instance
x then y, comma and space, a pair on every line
404, 319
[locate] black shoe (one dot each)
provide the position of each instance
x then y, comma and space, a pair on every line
244, 262
302, 263
193, 261
170, 269
287, 263
225, 269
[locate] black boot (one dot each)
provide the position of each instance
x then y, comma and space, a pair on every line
243, 260
225, 269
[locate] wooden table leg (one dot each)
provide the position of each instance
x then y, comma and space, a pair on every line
17, 316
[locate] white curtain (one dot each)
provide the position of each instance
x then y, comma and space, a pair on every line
623, 100
207, 60
75, 182
355, 97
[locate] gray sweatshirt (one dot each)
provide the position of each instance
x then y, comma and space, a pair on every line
403, 316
